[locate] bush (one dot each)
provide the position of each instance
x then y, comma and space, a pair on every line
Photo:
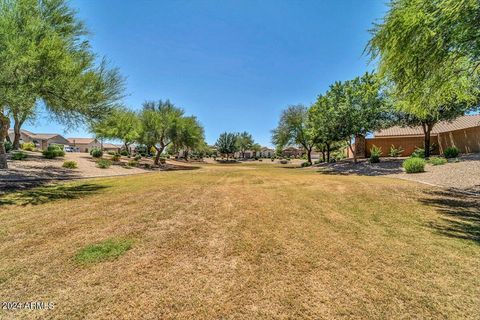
306, 164
132, 163
437, 161
8, 146
137, 157
53, 151
414, 165
96, 152
28, 146
450, 152
70, 164
283, 161
111, 153
116, 157
418, 153
375, 153
395, 152
19, 155
124, 152
104, 163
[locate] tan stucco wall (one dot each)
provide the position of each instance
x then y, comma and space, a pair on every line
467, 140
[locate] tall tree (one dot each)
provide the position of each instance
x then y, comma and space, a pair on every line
121, 124
160, 124
295, 128
190, 136
227, 144
245, 142
44, 56
428, 51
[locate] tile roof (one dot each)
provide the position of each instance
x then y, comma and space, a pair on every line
81, 140
110, 146
463, 122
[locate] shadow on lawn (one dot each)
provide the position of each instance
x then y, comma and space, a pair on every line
362, 168
48, 193
460, 214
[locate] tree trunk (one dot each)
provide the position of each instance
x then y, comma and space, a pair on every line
323, 154
4, 125
159, 152
353, 151
427, 129
16, 131
126, 147
328, 152
309, 155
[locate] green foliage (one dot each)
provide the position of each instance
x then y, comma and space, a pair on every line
116, 157
53, 151
227, 144
121, 123
244, 142
70, 164
96, 152
437, 161
19, 155
137, 157
414, 165
375, 154
8, 146
395, 152
124, 152
418, 153
109, 249
104, 163
451, 152
132, 163
306, 164
28, 146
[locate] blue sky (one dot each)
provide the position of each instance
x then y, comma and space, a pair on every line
233, 64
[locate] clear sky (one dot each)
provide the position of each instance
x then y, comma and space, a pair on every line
233, 64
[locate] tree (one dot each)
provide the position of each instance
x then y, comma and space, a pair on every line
428, 52
121, 124
245, 142
190, 136
44, 56
295, 128
21, 112
160, 124
227, 144
360, 107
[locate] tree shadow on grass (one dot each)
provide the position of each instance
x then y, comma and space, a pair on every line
363, 167
49, 193
460, 213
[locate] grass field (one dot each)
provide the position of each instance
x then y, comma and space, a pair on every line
241, 241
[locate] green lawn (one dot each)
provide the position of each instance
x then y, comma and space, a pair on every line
241, 241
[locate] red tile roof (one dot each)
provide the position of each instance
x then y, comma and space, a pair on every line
463, 122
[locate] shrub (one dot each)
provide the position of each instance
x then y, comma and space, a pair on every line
137, 157
70, 164
96, 152
53, 151
8, 146
283, 161
116, 157
111, 153
28, 146
451, 152
306, 164
414, 165
163, 160
109, 249
395, 152
19, 155
418, 153
124, 152
104, 163
375, 153
437, 161
132, 163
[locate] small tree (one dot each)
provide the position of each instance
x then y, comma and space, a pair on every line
190, 136
121, 124
227, 144
245, 142
159, 125
295, 128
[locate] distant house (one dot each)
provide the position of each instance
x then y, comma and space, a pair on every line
266, 152
462, 133
110, 147
263, 153
293, 152
41, 140
84, 144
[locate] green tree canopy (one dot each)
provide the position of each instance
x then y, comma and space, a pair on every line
227, 144
245, 142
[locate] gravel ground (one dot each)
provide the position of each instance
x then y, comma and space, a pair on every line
463, 175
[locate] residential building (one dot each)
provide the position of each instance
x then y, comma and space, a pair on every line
84, 144
41, 140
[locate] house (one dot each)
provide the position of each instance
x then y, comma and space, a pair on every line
462, 133
266, 152
84, 144
293, 152
110, 147
41, 140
